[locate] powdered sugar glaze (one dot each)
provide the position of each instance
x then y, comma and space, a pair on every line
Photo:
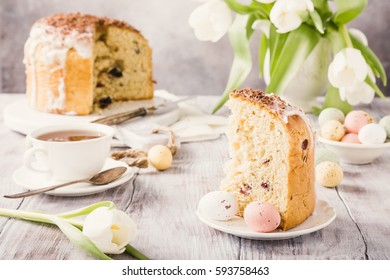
54, 44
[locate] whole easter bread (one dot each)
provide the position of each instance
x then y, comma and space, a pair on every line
77, 63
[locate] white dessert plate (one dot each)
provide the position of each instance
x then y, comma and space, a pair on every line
355, 153
33, 180
20, 117
323, 215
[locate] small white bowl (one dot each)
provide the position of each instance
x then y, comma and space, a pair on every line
355, 153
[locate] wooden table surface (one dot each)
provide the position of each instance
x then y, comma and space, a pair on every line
163, 206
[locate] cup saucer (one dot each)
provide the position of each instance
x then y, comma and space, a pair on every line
31, 180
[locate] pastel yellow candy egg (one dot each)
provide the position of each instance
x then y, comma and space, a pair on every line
160, 157
329, 174
332, 130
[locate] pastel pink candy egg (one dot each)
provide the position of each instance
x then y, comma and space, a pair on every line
355, 120
261, 216
351, 138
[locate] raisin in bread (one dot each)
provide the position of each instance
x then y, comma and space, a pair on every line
272, 155
77, 63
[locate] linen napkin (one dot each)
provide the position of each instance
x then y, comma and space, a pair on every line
188, 123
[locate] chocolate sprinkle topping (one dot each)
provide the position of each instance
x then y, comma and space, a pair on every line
82, 23
260, 96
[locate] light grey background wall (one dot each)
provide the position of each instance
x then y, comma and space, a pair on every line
182, 64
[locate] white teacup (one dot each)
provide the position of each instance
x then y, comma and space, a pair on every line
69, 160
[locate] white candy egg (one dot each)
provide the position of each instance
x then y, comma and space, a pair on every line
218, 205
330, 114
385, 123
372, 134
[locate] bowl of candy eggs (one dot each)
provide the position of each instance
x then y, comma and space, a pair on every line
356, 138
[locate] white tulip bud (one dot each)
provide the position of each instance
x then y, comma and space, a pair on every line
360, 92
347, 68
211, 20
286, 15
109, 229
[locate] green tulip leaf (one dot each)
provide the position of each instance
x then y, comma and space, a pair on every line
86, 210
316, 110
375, 87
333, 100
296, 49
316, 18
262, 51
135, 253
347, 10
249, 30
323, 9
242, 62
335, 38
276, 44
370, 58
263, 8
247, 9
78, 238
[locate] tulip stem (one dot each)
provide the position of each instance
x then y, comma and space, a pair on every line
25, 215
36, 217
345, 34
135, 253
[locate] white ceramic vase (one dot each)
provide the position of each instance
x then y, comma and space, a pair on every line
311, 80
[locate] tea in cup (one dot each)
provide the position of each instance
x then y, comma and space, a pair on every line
69, 151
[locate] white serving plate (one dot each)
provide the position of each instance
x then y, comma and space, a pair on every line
322, 216
20, 117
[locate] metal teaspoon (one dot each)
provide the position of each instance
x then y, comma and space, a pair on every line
102, 178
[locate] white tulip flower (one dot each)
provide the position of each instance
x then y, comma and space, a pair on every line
109, 229
360, 92
263, 25
359, 35
211, 20
347, 68
286, 14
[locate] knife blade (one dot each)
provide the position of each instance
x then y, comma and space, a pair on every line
141, 112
